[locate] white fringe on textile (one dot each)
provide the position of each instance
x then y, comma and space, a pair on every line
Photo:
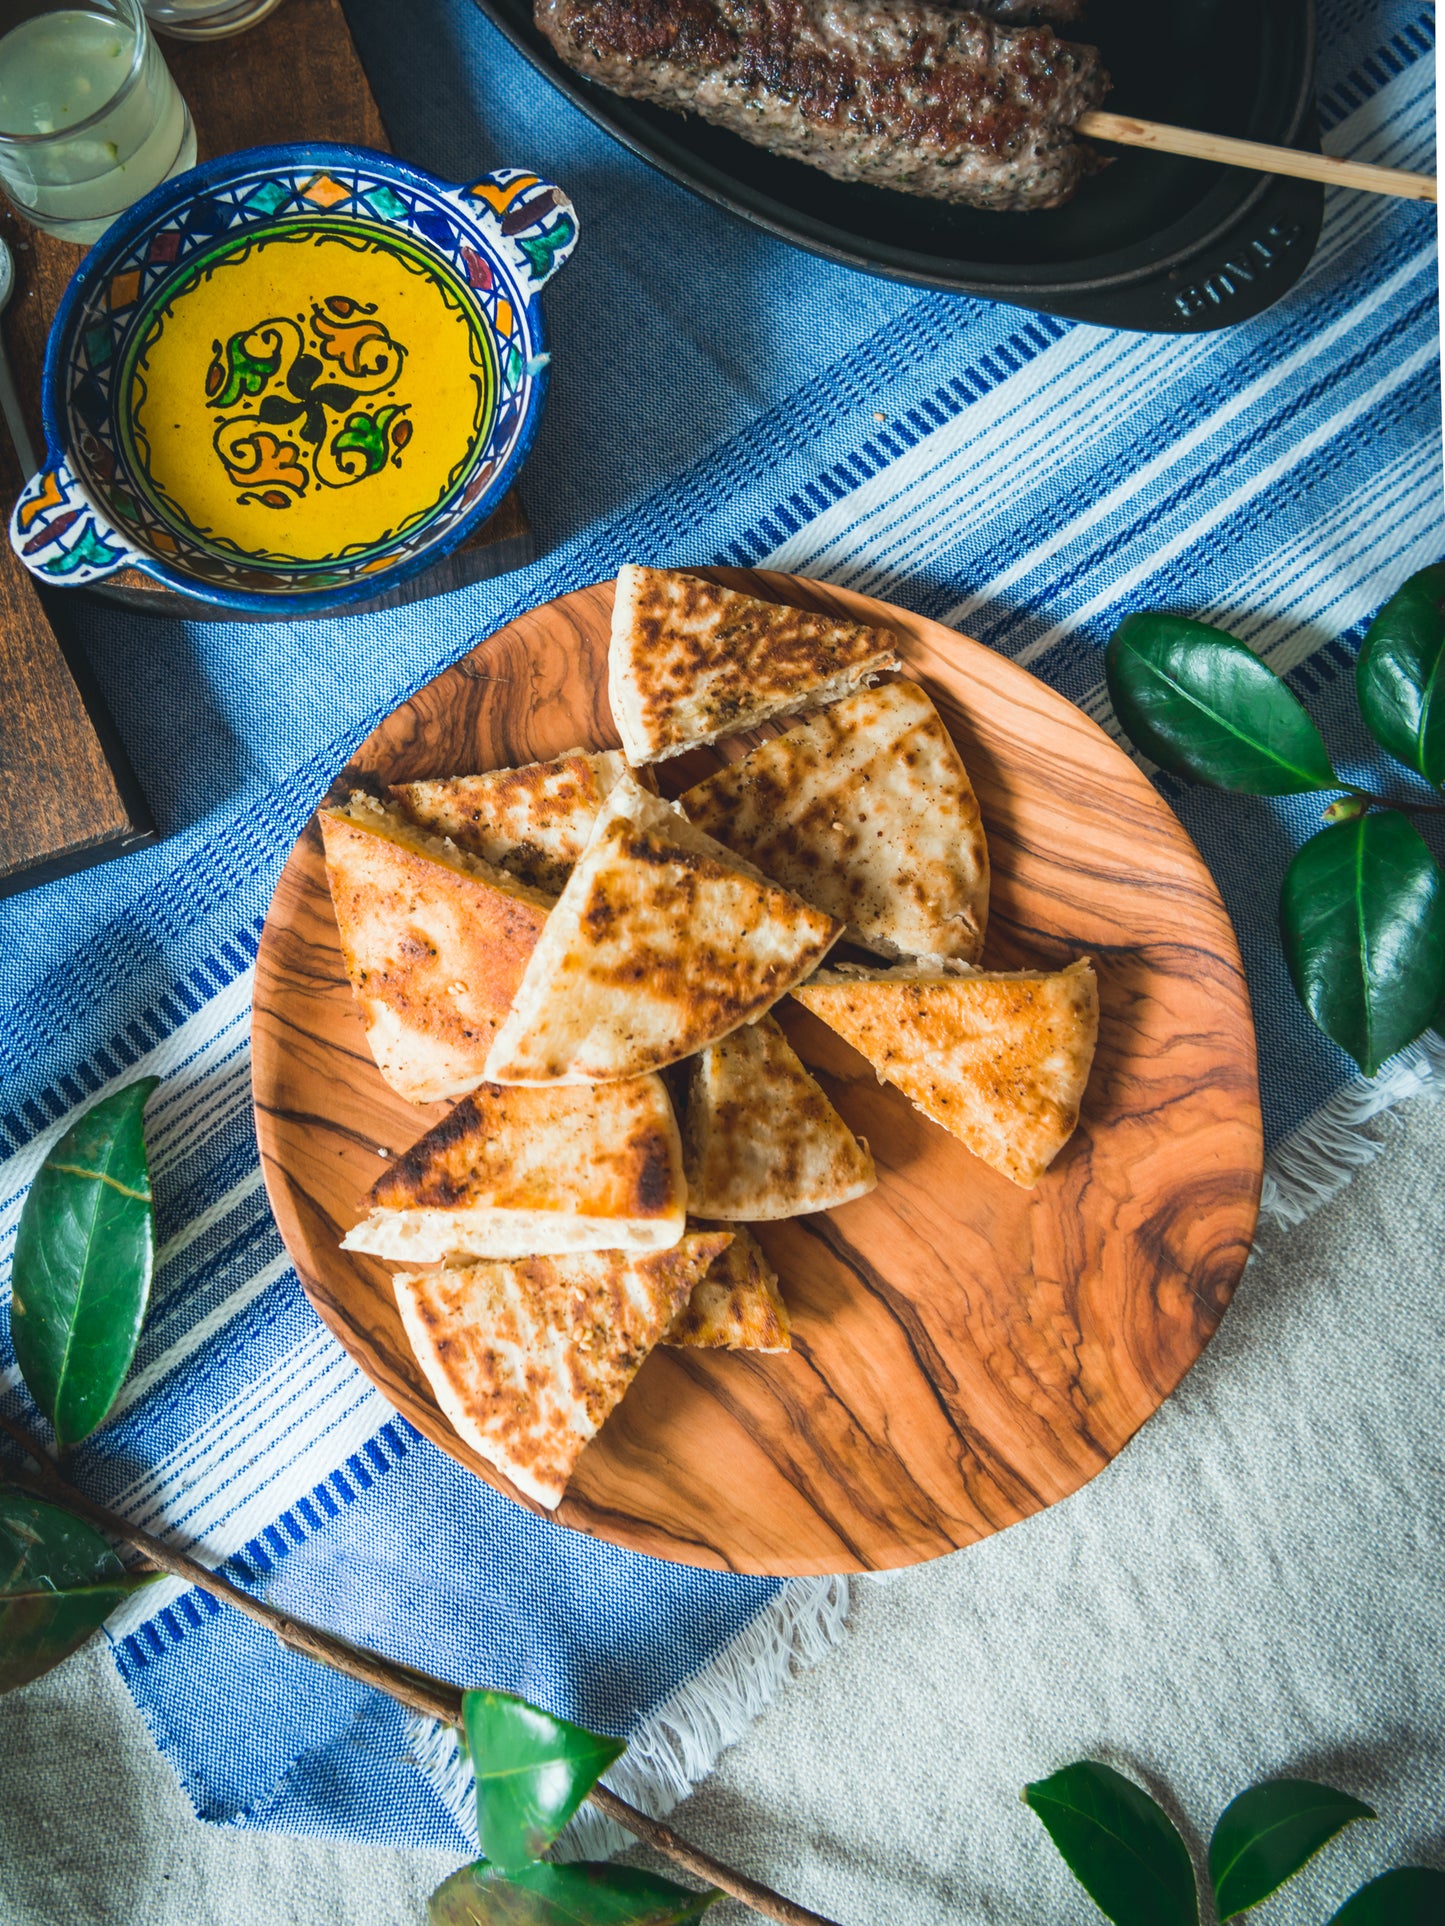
681, 1742
1323, 1155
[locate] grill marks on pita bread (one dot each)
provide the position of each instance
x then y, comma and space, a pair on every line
866, 810
516, 1171
533, 822
761, 1141
690, 662
527, 1359
661, 943
553, 1199
999, 1060
737, 1306
435, 942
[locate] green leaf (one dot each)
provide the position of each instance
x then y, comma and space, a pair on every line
1119, 1845
84, 1251
1203, 705
1362, 914
585, 1895
1408, 1896
1400, 676
532, 1770
1267, 1833
58, 1581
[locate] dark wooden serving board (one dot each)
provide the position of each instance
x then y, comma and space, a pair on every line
68, 797
294, 76
965, 1352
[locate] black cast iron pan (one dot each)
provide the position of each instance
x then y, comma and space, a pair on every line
1154, 242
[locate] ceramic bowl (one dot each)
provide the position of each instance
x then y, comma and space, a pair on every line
292, 377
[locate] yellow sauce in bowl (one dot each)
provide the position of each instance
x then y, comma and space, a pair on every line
309, 393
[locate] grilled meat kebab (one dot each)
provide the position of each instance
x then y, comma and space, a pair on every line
908, 94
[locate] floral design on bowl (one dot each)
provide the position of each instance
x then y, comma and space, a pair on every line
293, 377
269, 374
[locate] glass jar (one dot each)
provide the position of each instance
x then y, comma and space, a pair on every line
90, 118
207, 19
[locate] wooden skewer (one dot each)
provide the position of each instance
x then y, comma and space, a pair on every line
1129, 132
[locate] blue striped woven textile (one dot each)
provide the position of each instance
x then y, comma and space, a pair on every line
716, 396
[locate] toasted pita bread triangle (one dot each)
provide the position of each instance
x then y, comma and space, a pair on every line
528, 1359
999, 1060
661, 943
866, 810
690, 661
533, 822
737, 1306
435, 943
761, 1140
532, 1172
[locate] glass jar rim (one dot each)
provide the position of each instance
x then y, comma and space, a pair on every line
134, 12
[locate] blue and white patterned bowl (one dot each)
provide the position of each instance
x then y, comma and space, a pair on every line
290, 407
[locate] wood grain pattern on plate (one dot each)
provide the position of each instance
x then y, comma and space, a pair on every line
964, 1352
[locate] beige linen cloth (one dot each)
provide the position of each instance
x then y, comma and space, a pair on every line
1256, 1587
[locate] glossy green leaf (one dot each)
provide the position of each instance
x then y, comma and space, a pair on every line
1362, 914
532, 1771
84, 1251
1201, 704
1124, 1851
583, 1895
1400, 676
58, 1581
1267, 1833
1408, 1896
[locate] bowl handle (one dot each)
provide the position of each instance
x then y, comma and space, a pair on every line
59, 536
534, 216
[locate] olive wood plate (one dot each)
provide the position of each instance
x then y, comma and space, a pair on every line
964, 1352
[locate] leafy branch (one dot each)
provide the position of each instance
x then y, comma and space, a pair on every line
81, 1277
1362, 904
82, 1267
419, 1691
1127, 1854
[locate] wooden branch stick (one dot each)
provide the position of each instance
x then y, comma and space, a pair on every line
416, 1690
30, 1445
1128, 132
